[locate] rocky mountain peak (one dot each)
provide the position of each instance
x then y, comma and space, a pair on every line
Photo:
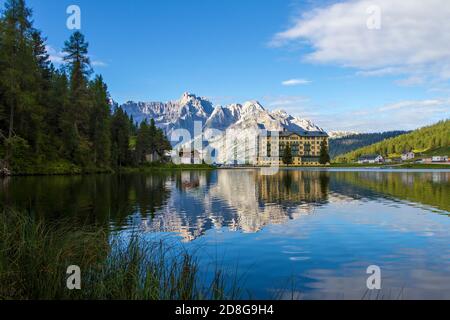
183, 113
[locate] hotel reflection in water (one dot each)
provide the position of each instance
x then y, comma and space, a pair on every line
239, 200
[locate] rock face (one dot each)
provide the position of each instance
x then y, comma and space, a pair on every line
235, 122
181, 114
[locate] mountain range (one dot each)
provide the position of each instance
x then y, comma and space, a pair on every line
237, 122
183, 113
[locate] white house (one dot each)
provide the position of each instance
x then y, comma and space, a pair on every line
408, 156
439, 159
371, 159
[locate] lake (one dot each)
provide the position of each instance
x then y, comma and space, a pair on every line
298, 234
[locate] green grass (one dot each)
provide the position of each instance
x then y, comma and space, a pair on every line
423, 166
34, 256
420, 154
444, 151
57, 167
355, 165
392, 166
64, 167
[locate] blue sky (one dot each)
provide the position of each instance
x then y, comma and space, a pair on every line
315, 59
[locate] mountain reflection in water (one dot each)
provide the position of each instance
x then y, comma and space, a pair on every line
192, 202
312, 231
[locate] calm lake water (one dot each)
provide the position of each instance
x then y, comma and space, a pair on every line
303, 234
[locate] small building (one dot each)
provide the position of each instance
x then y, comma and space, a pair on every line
156, 157
408, 156
371, 159
192, 157
439, 159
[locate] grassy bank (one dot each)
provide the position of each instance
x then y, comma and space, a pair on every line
61, 167
34, 256
166, 166
423, 166
67, 168
392, 166
354, 165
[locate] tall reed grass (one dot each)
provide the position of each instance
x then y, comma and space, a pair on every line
35, 254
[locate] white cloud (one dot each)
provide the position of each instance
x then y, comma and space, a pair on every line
414, 37
425, 106
294, 105
411, 81
57, 57
402, 115
380, 72
98, 63
285, 102
295, 82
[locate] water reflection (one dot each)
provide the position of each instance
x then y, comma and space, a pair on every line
193, 202
237, 200
316, 229
427, 188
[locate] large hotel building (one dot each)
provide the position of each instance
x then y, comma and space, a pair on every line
305, 147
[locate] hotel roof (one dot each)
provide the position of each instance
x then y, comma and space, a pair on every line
301, 134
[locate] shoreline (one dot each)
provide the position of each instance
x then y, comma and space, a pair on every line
352, 166
78, 171
161, 168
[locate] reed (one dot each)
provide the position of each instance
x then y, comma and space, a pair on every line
35, 254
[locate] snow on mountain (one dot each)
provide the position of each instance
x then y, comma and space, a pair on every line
222, 124
341, 134
240, 137
172, 115
223, 117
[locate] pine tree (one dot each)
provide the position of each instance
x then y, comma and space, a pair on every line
152, 136
53, 115
100, 134
57, 103
120, 138
22, 115
150, 140
76, 117
287, 155
42, 57
324, 157
162, 144
143, 142
79, 65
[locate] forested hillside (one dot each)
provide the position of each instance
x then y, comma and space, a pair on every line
352, 142
58, 120
425, 140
